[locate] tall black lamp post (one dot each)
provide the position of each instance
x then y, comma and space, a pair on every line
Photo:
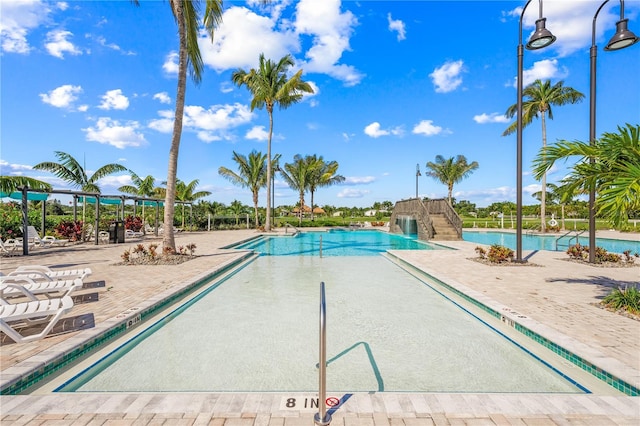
417, 175
540, 38
621, 39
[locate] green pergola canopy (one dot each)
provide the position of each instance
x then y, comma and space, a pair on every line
92, 200
31, 196
150, 203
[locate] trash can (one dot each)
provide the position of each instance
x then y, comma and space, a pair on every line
116, 232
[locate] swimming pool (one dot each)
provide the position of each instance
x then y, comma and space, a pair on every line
335, 243
548, 242
388, 330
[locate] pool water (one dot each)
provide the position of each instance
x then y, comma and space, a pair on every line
548, 242
335, 243
387, 330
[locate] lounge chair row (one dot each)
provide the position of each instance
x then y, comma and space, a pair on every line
21, 307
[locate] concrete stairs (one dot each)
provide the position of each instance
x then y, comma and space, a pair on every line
444, 231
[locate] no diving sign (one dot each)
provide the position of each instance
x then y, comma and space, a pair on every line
307, 403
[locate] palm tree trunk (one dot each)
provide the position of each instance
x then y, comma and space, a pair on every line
450, 193
168, 240
543, 196
255, 207
267, 225
301, 208
312, 206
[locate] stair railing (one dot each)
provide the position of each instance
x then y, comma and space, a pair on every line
322, 418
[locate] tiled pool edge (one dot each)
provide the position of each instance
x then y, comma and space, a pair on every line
517, 321
22, 376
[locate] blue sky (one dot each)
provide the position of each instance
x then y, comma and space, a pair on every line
396, 83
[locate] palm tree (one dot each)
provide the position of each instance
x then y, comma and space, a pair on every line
9, 184
297, 176
236, 208
186, 14
555, 195
270, 86
321, 174
611, 165
450, 171
70, 170
185, 193
143, 187
539, 98
252, 174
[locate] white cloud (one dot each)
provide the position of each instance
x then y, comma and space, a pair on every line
358, 180
8, 169
170, 65
397, 25
240, 39
330, 31
353, 193
112, 181
208, 124
226, 87
542, 70
427, 128
257, 133
111, 132
162, 97
57, 44
114, 99
17, 19
374, 130
447, 77
494, 117
61, 97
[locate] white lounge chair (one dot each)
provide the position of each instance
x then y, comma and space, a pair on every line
24, 286
38, 272
130, 233
34, 238
49, 239
19, 315
8, 249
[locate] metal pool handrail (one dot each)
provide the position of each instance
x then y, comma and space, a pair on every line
576, 236
288, 225
322, 418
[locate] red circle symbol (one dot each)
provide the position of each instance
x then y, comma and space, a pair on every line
332, 401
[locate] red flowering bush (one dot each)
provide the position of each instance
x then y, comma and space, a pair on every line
133, 222
70, 230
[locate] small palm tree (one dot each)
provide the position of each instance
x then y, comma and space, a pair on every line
186, 193
611, 165
450, 171
270, 86
142, 187
236, 208
321, 174
70, 170
297, 175
539, 98
252, 174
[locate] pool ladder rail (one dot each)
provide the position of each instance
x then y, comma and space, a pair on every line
322, 417
576, 236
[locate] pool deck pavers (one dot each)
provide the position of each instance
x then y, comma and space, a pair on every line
553, 297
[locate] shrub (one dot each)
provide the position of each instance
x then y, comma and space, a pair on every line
500, 254
481, 252
627, 299
10, 220
133, 222
70, 230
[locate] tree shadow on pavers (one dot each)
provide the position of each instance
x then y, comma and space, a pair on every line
606, 284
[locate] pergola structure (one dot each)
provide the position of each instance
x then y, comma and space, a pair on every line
25, 194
